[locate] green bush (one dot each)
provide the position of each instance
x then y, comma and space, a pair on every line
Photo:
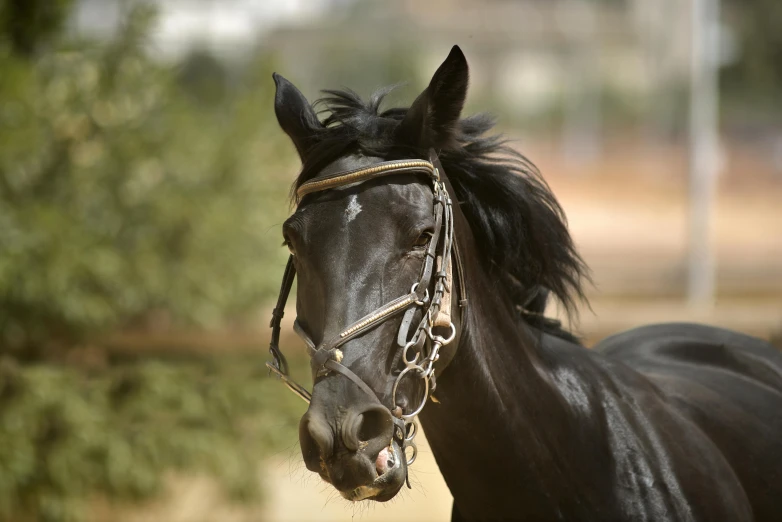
66, 438
121, 195
130, 189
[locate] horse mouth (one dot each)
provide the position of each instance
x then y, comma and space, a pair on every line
391, 475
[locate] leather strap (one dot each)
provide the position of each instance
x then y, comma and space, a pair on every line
333, 365
280, 363
385, 168
444, 314
369, 321
456, 257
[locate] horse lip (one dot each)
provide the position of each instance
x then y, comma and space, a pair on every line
394, 458
361, 493
378, 486
398, 456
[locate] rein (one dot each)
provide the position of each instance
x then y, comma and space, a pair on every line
419, 351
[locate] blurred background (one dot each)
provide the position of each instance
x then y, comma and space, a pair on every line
143, 182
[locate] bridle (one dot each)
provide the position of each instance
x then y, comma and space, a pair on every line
421, 350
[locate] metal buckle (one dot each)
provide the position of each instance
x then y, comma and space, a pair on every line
426, 295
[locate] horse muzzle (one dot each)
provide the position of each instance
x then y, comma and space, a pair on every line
353, 449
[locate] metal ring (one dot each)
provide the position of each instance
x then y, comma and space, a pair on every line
426, 295
426, 391
439, 338
398, 433
408, 362
415, 453
413, 431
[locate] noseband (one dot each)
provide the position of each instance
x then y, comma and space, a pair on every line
420, 351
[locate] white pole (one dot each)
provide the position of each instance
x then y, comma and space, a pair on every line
704, 151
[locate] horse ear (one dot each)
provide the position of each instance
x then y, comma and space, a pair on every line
295, 115
432, 117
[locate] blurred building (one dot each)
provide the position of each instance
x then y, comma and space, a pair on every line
524, 52
531, 55
228, 28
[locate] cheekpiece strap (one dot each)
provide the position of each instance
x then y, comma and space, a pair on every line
279, 311
461, 287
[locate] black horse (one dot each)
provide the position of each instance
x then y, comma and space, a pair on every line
664, 422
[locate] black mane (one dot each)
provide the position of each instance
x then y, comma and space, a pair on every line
519, 227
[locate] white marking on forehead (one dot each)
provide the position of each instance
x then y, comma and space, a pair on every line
353, 209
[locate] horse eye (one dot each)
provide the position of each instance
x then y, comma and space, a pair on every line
423, 239
288, 244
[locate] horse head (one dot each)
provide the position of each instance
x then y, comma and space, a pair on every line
370, 242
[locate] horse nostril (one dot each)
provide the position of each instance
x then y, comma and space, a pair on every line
374, 424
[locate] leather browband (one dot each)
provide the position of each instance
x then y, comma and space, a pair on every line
341, 179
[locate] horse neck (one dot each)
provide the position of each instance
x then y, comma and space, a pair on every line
501, 416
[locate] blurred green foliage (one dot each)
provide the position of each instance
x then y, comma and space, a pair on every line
67, 438
27, 25
758, 71
751, 85
128, 189
121, 193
